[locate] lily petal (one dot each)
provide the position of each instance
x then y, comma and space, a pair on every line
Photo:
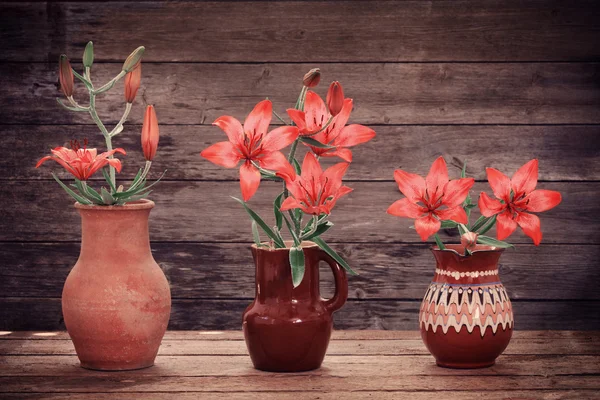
427, 226
289, 204
249, 180
310, 166
530, 223
222, 153
279, 138
257, 122
341, 152
113, 162
525, 179
299, 118
333, 177
276, 161
489, 206
437, 178
354, 134
406, 209
316, 114
456, 214
456, 191
232, 128
541, 200
500, 184
505, 225
411, 185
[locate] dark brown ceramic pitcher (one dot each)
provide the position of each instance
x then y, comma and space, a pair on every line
287, 329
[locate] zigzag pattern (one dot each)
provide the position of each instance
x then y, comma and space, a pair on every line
471, 306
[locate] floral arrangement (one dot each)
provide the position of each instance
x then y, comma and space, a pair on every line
436, 202
82, 162
307, 188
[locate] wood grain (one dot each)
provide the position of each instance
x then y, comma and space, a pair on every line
279, 31
431, 93
202, 211
565, 152
226, 270
20, 313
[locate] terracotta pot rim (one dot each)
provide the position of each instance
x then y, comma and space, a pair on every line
143, 204
306, 244
453, 248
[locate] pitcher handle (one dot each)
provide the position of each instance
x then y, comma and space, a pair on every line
341, 284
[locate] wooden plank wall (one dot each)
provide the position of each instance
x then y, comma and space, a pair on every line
494, 83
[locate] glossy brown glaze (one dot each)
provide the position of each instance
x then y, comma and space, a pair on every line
116, 301
466, 318
287, 329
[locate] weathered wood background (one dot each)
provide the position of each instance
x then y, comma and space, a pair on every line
494, 83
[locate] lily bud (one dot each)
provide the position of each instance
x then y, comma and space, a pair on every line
65, 75
469, 240
150, 133
133, 59
335, 98
88, 55
132, 83
312, 78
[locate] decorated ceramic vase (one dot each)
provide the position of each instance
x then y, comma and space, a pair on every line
466, 317
287, 329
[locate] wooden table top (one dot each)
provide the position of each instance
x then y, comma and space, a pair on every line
358, 365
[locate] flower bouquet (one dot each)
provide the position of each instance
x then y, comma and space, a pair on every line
466, 317
287, 271
116, 300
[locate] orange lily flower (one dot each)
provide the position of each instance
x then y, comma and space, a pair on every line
150, 133
314, 191
426, 197
335, 98
82, 163
518, 195
252, 144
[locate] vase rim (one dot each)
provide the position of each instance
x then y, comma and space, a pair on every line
143, 204
306, 244
454, 249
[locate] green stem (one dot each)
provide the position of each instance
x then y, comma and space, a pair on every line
110, 83
117, 129
279, 118
439, 242
96, 118
313, 228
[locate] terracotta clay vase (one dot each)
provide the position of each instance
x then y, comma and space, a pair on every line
116, 301
287, 329
466, 317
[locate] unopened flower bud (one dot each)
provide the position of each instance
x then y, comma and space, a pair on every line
88, 55
335, 98
312, 78
132, 83
133, 59
150, 133
469, 240
65, 75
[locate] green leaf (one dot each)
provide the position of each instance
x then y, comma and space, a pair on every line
462, 229
277, 212
71, 193
107, 179
297, 240
297, 264
448, 224
490, 241
439, 242
315, 143
106, 197
88, 192
479, 223
141, 188
325, 247
261, 223
87, 83
255, 234
488, 225
321, 229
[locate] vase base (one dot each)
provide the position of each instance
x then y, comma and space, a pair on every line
286, 370
115, 367
465, 365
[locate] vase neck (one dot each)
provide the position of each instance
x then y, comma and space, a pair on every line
479, 268
274, 277
115, 236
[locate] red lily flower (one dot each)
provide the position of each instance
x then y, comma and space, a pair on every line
132, 83
336, 134
335, 98
252, 144
425, 197
65, 75
314, 191
82, 163
150, 132
518, 195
